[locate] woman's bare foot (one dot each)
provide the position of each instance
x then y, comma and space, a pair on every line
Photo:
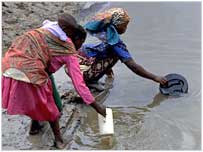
60, 144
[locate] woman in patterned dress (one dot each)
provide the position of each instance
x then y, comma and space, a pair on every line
107, 26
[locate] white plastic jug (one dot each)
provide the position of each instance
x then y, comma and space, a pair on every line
106, 124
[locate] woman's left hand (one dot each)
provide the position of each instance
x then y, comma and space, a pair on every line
160, 79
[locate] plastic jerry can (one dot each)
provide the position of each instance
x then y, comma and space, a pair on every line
106, 126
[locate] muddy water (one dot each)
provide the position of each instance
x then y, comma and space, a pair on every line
164, 38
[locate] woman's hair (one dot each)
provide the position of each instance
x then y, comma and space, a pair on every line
79, 33
67, 20
68, 24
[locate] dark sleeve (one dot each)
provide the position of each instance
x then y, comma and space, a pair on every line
122, 52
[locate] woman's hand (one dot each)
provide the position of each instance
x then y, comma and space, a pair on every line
160, 79
100, 108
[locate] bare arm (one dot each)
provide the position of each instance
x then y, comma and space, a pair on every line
100, 108
139, 70
76, 76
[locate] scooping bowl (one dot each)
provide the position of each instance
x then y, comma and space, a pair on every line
176, 85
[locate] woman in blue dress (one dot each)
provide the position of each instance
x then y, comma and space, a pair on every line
100, 58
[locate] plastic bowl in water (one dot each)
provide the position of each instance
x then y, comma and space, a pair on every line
175, 86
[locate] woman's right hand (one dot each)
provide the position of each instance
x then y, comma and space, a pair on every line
100, 108
160, 79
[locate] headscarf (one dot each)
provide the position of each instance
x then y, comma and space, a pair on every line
109, 19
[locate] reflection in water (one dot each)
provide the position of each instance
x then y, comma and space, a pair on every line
157, 100
128, 122
88, 136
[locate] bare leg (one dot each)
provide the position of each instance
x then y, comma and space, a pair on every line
59, 143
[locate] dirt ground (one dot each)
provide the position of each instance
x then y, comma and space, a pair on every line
17, 17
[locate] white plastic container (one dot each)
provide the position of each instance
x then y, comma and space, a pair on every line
106, 124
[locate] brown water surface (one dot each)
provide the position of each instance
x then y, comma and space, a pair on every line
164, 37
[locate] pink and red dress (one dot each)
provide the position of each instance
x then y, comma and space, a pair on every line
27, 90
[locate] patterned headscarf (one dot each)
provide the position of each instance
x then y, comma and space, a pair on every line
108, 20
116, 16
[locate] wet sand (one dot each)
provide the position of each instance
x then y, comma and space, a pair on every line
18, 17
